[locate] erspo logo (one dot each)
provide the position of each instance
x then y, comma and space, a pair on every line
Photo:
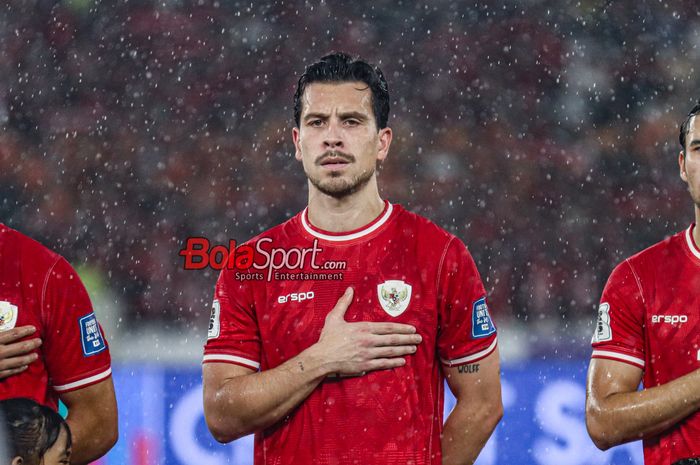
261, 257
671, 319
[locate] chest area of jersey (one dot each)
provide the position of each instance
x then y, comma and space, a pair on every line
17, 307
394, 287
672, 323
673, 313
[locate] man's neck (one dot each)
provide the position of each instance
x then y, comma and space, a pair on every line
346, 214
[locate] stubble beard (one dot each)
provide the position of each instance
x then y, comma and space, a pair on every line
338, 187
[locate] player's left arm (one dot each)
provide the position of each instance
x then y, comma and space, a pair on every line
92, 418
477, 387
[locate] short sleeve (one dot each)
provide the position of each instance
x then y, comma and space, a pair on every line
233, 335
466, 331
74, 346
619, 333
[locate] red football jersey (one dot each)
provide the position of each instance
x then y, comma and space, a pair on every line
39, 288
649, 317
403, 269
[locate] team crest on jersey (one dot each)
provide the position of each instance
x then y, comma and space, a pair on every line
394, 296
8, 315
603, 331
482, 325
214, 321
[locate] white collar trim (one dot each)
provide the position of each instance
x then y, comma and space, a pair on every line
691, 245
346, 237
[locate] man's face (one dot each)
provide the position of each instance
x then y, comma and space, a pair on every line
337, 140
690, 161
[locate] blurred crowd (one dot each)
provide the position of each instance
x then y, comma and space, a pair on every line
542, 133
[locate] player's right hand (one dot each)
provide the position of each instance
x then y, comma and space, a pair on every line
15, 354
352, 349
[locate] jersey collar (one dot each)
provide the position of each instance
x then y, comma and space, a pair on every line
349, 235
691, 242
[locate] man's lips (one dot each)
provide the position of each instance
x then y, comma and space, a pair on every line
334, 165
334, 162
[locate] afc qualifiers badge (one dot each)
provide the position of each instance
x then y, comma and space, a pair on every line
8, 315
394, 296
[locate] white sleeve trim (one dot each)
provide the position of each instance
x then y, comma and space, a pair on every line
83, 382
473, 357
618, 356
231, 358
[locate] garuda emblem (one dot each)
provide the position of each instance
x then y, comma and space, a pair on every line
8, 315
394, 296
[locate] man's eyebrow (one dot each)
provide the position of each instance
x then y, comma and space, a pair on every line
694, 142
353, 114
344, 115
316, 115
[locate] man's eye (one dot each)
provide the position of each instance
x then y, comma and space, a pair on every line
315, 123
352, 122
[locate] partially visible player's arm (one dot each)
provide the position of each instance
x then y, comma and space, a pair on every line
92, 418
16, 354
617, 413
239, 401
477, 387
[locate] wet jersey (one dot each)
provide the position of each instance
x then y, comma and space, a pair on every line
40, 288
403, 269
649, 317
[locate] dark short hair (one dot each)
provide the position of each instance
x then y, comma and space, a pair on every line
685, 126
31, 429
341, 67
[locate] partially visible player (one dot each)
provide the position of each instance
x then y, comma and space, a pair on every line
349, 368
648, 330
38, 288
35, 434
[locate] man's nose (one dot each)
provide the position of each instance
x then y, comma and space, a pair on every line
332, 137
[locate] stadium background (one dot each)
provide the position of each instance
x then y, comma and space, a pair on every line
542, 133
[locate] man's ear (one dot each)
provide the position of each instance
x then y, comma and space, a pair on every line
297, 146
17, 461
681, 166
385, 136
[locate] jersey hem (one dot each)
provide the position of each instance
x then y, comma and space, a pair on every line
473, 357
85, 382
234, 359
619, 357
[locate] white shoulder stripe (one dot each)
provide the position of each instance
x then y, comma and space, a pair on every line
230, 358
473, 357
83, 382
346, 237
618, 356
